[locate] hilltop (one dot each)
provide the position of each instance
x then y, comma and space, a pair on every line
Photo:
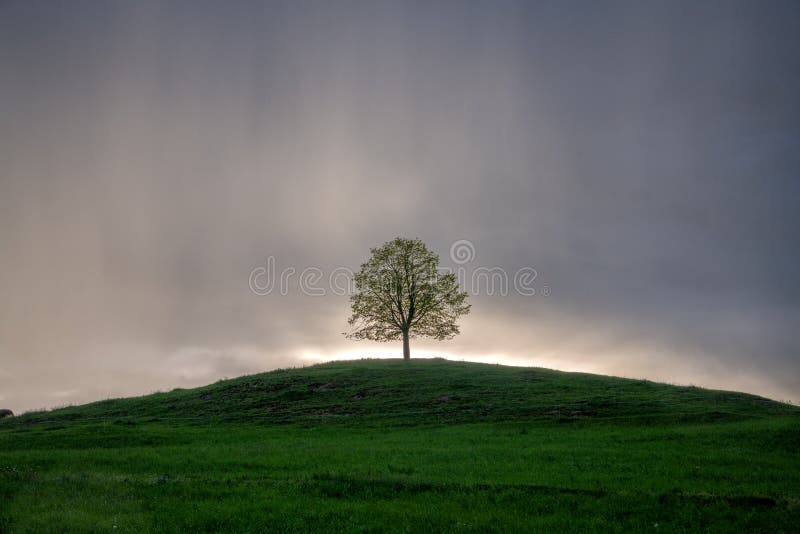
426, 391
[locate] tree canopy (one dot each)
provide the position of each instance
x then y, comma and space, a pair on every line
400, 293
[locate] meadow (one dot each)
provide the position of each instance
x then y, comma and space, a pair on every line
426, 445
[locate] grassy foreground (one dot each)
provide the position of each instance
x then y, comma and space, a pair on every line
429, 445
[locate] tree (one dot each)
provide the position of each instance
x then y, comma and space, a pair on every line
400, 294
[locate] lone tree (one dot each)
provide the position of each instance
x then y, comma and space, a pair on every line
400, 293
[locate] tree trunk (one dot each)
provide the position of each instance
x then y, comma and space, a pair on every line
406, 349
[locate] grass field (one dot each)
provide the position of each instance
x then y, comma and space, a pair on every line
429, 445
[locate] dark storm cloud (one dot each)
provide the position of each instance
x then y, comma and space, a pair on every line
641, 156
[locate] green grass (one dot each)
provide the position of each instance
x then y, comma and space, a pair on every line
429, 445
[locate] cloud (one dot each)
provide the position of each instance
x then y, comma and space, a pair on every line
641, 158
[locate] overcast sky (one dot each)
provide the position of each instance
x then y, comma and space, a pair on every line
642, 157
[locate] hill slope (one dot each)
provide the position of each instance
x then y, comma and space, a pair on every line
432, 391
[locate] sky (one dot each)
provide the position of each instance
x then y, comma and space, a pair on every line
641, 157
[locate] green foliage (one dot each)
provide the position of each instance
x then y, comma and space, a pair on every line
429, 445
400, 292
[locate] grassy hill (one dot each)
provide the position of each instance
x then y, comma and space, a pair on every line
426, 391
393, 445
